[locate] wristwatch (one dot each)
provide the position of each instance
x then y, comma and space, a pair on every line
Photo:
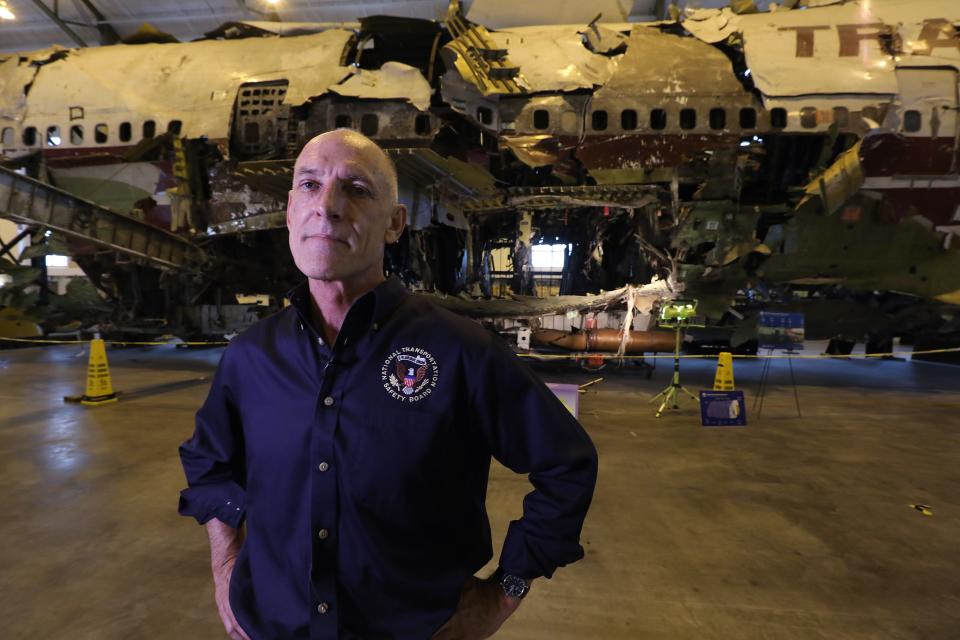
513, 586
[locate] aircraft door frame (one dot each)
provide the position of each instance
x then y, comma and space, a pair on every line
933, 93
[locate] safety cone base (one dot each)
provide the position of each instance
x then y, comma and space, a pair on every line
96, 400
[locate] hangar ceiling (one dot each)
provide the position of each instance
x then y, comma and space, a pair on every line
42, 23
36, 24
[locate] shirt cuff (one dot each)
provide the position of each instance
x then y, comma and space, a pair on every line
225, 501
528, 557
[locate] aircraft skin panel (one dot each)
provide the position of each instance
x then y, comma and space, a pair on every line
836, 49
554, 58
99, 79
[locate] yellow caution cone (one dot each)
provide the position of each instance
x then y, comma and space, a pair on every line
99, 386
723, 380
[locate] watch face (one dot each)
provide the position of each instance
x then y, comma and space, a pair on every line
513, 586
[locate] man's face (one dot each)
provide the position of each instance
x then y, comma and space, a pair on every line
342, 209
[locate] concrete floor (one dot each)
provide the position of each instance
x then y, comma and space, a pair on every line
790, 528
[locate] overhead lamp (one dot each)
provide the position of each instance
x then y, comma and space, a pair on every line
272, 3
5, 12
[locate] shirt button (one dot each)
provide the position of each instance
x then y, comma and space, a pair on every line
323, 466
323, 534
328, 401
322, 608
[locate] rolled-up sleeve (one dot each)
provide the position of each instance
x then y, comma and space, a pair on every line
530, 431
213, 459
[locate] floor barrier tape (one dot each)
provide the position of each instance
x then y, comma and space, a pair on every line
125, 343
540, 356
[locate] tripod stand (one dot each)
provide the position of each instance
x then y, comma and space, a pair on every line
672, 395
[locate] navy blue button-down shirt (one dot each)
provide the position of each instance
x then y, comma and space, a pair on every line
361, 469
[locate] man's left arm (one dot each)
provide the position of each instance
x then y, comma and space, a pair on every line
529, 431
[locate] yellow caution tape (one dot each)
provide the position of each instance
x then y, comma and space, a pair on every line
670, 356
541, 356
127, 343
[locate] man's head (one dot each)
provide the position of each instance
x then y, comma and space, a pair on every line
342, 208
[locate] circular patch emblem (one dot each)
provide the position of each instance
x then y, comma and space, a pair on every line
409, 374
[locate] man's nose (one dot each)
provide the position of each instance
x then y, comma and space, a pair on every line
329, 201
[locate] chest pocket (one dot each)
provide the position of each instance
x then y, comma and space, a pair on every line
395, 459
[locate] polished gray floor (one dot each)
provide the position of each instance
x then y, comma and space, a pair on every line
789, 528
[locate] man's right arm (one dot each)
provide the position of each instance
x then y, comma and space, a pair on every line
214, 465
225, 543
213, 459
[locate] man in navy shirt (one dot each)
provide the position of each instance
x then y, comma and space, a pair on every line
352, 434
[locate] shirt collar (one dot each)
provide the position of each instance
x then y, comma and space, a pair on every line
386, 297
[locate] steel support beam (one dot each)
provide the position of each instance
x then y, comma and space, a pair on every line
28, 201
50, 13
108, 35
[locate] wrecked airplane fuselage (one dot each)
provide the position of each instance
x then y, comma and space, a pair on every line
750, 159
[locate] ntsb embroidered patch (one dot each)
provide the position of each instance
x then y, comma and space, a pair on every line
409, 374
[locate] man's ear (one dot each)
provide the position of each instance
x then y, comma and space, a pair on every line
398, 220
289, 204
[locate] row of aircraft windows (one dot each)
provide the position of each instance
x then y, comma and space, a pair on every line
716, 118
30, 137
370, 123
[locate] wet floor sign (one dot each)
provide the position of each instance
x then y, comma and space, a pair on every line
99, 385
723, 380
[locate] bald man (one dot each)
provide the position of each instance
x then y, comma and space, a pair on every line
351, 436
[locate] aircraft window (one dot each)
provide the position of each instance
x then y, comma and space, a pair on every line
251, 132
841, 116
598, 120
76, 134
628, 119
149, 129
718, 118
484, 115
688, 118
53, 136
174, 127
422, 125
778, 118
369, 124
30, 136
7, 139
658, 119
541, 119
126, 132
748, 118
569, 121
808, 117
100, 133
912, 121
343, 121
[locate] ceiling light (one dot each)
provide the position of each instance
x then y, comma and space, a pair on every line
272, 2
5, 12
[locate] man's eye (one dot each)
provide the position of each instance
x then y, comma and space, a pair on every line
357, 189
308, 185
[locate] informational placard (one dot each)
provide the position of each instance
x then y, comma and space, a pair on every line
722, 409
780, 331
569, 395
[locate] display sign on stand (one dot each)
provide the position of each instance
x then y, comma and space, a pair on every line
722, 409
780, 331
